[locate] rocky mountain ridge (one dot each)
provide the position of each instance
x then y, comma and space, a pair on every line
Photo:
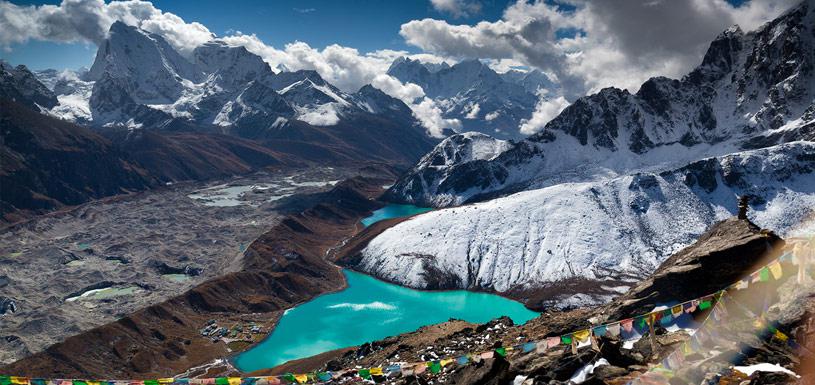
751, 90
618, 181
472, 92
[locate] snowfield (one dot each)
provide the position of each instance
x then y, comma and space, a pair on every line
614, 230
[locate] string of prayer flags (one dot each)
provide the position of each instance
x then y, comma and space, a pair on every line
627, 329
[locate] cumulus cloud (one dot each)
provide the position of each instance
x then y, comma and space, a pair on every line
457, 8
344, 67
424, 109
668, 38
545, 110
89, 21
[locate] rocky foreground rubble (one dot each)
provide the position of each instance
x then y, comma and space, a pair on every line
767, 323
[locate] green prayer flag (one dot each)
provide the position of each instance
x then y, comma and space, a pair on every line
218, 381
365, 373
155, 382
764, 274
79, 382
501, 352
704, 305
289, 377
435, 367
5, 380
566, 340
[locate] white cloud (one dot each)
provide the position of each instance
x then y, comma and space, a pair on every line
424, 108
668, 38
407, 93
457, 8
545, 110
344, 67
89, 20
430, 115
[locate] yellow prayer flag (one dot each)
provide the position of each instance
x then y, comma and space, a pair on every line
775, 269
446, 361
20, 380
582, 336
233, 380
781, 336
166, 380
376, 371
686, 349
301, 378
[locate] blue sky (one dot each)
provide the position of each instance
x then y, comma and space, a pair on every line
367, 25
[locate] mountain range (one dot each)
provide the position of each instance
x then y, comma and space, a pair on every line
475, 94
617, 181
165, 117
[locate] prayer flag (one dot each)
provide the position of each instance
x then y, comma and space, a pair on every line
79, 382
249, 381
218, 381
323, 376
393, 369
5, 380
628, 325
38, 381
704, 305
446, 361
289, 377
501, 352
755, 277
487, 355
528, 347
364, 373
552, 342
764, 274
775, 269
613, 329
378, 371
666, 319
666, 364
781, 336
600, 331
676, 311
19, 380
273, 380
582, 336
541, 347
231, 380
566, 339
301, 378
742, 284
171, 380
407, 371
463, 360
435, 367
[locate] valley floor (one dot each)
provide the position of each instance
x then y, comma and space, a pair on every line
71, 271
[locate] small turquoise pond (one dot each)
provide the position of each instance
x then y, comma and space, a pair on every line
368, 310
394, 211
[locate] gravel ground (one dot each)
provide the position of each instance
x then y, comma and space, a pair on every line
71, 271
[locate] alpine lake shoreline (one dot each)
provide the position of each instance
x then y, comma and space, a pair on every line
394, 213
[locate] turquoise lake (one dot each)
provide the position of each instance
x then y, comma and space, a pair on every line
394, 211
369, 310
